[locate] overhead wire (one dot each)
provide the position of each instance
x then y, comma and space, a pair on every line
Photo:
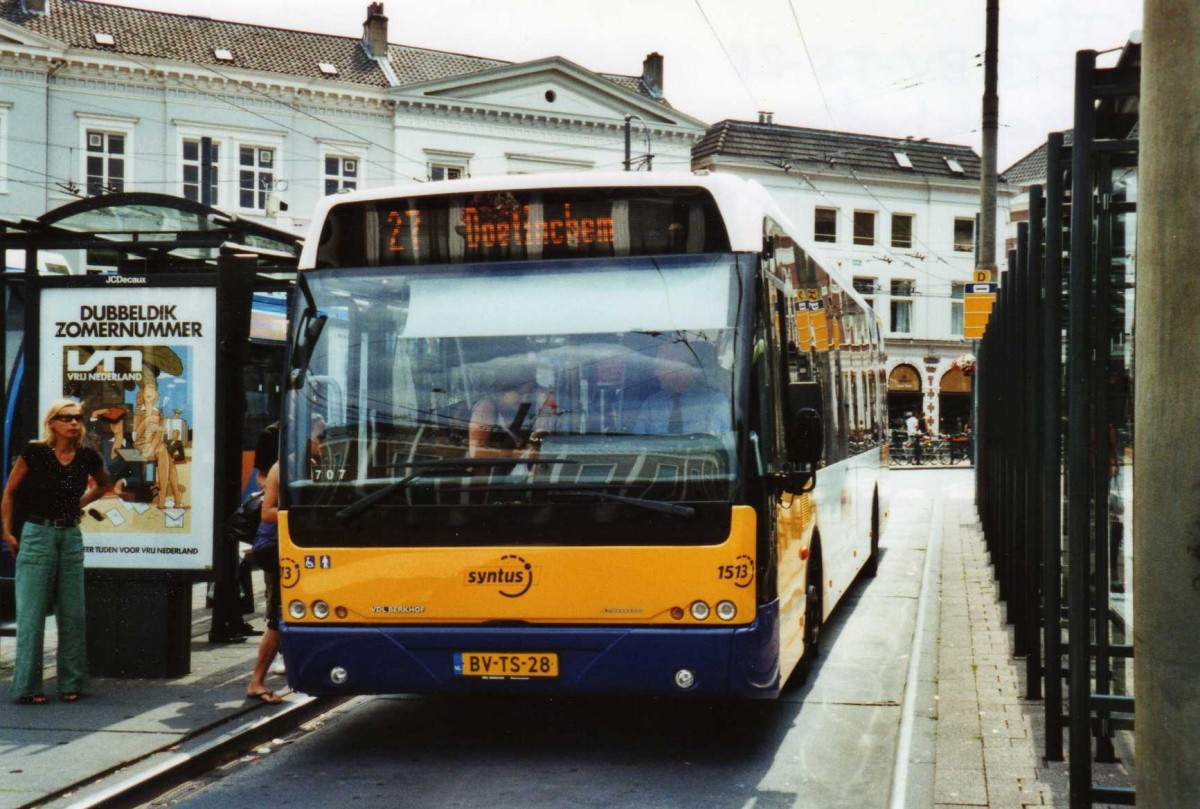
800, 176
155, 71
388, 170
316, 117
729, 58
812, 65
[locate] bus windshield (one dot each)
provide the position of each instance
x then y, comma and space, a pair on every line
550, 389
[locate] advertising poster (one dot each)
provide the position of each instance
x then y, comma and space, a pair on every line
142, 364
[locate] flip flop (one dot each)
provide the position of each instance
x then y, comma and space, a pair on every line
266, 697
70, 696
33, 699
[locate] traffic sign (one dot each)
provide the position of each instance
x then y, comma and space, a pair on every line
982, 276
974, 326
977, 308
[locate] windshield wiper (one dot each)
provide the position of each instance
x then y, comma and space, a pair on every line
641, 502
427, 468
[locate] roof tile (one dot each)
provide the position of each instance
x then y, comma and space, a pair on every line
187, 38
773, 143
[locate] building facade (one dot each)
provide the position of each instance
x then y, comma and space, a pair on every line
898, 217
261, 121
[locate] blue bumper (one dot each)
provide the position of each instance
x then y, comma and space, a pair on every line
734, 661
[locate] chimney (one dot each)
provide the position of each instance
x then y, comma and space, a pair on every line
766, 117
375, 32
39, 7
652, 74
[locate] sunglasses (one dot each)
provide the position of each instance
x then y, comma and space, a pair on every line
77, 417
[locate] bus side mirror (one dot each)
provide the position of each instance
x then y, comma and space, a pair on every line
807, 443
307, 333
806, 433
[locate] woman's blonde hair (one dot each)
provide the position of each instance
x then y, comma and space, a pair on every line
54, 410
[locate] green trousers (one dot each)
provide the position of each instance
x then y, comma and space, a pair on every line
50, 571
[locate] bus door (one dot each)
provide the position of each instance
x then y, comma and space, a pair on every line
785, 516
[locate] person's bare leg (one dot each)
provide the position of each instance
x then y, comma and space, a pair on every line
268, 647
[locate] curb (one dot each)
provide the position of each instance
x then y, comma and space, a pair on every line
193, 756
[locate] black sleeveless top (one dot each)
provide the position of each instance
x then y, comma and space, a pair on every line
51, 490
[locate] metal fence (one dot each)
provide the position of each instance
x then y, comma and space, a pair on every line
1055, 437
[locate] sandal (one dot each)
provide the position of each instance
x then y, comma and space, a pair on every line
70, 696
265, 697
33, 699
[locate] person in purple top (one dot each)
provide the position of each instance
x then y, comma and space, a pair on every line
51, 480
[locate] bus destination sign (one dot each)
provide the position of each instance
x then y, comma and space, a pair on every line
522, 225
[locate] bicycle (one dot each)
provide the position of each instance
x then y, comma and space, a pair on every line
939, 451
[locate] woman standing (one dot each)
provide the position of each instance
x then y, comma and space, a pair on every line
266, 553
52, 476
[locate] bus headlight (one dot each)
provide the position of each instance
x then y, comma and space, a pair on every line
700, 610
297, 610
726, 610
320, 610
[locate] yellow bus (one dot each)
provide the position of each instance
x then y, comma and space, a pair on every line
572, 434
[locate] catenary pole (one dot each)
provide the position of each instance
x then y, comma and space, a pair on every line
1166, 499
990, 127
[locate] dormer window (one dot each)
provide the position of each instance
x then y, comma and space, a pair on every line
328, 68
954, 165
902, 160
104, 39
223, 54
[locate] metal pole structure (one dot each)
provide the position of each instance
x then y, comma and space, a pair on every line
1078, 345
628, 142
1103, 457
990, 127
1052, 447
1166, 542
1018, 521
1031, 432
30, 403
206, 171
235, 290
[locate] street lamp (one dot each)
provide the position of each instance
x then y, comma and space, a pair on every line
647, 158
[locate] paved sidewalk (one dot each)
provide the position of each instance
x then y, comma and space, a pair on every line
990, 740
122, 726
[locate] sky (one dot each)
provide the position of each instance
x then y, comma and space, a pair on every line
895, 68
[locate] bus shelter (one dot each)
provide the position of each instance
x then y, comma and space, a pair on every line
150, 310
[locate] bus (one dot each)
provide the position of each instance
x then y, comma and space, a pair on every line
483, 486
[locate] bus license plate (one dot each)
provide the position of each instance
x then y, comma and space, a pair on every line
506, 664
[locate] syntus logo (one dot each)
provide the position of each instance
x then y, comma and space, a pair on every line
512, 576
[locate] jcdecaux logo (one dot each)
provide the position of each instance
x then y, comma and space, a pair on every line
511, 577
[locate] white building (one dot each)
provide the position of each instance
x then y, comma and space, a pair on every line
97, 98
898, 217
